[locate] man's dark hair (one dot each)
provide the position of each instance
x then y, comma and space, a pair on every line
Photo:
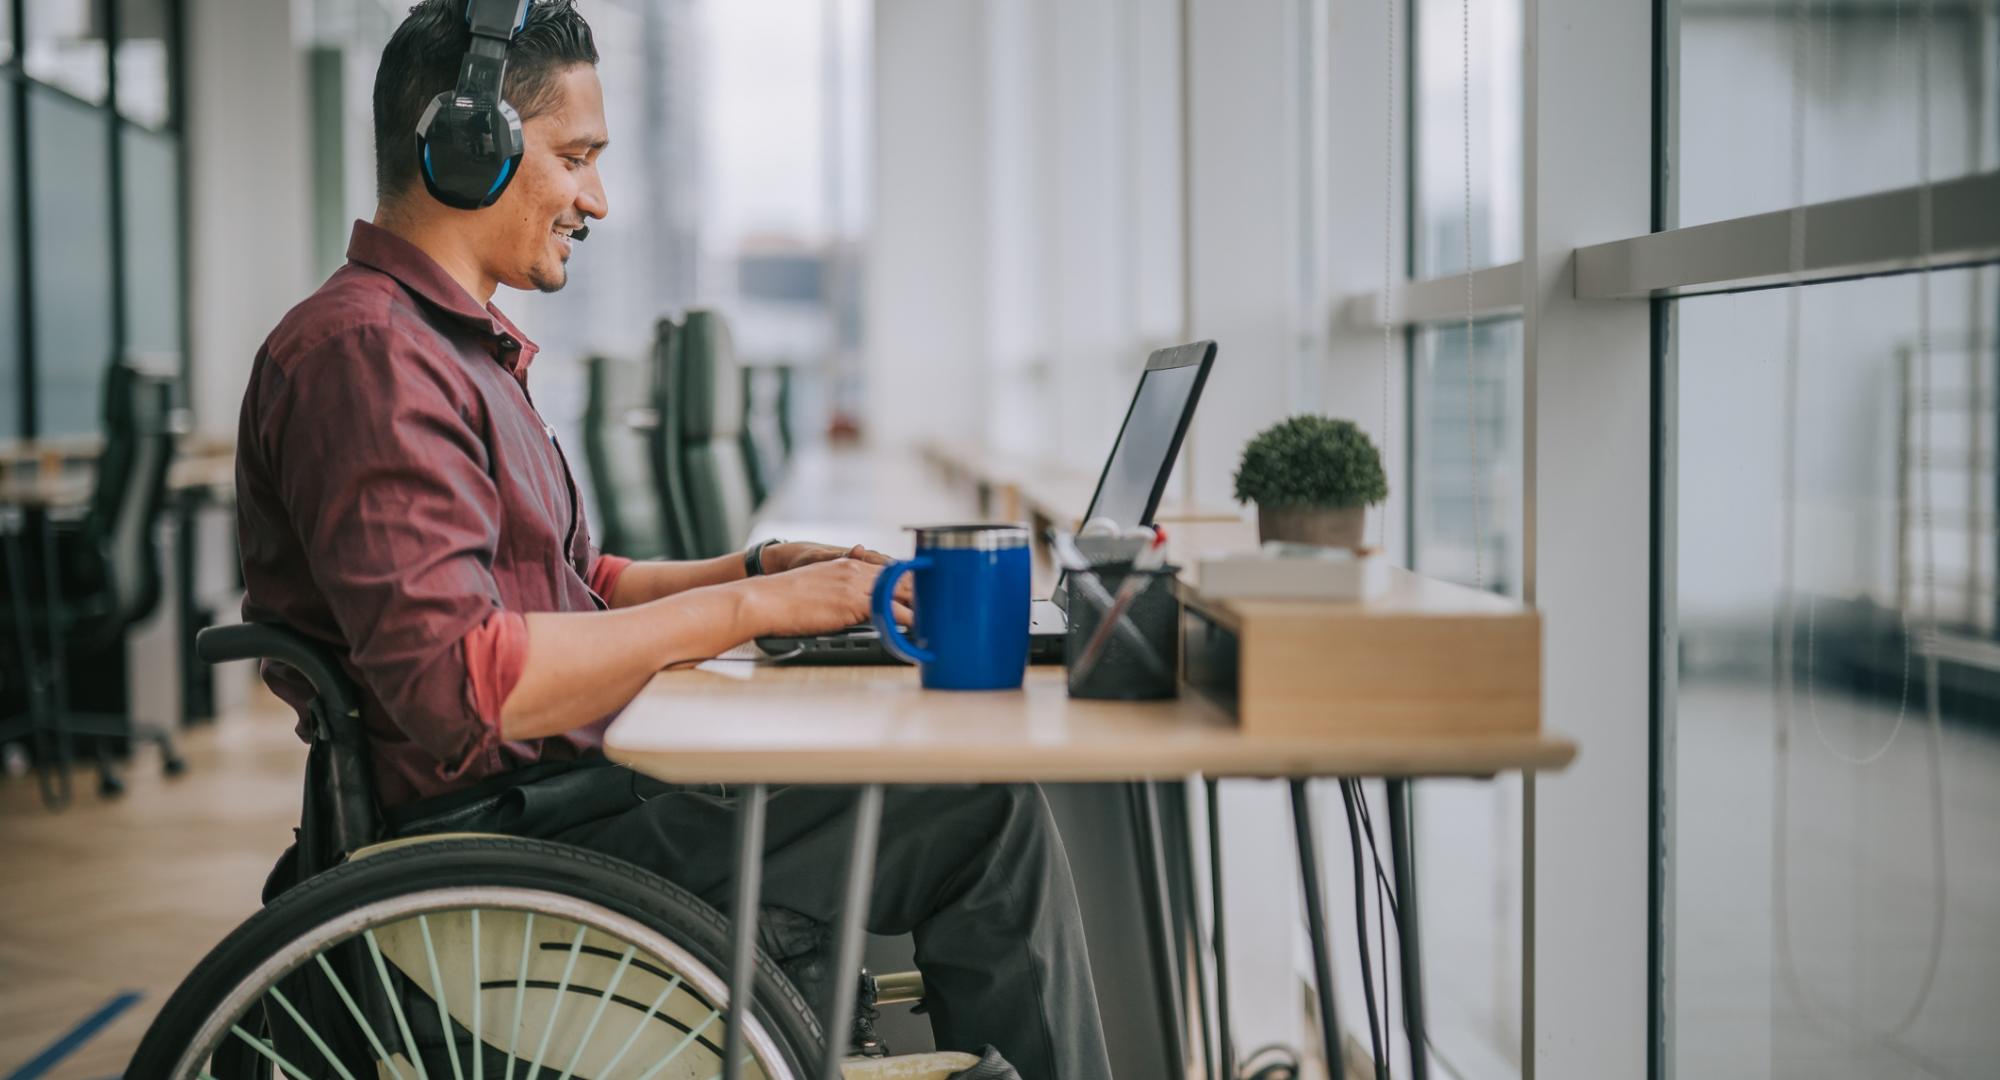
422, 60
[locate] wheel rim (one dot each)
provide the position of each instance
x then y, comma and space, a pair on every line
565, 987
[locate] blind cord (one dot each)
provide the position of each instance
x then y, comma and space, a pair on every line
1471, 383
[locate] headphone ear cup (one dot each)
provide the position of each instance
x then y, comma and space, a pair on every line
468, 155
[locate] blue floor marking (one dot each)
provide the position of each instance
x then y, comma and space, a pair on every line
77, 1036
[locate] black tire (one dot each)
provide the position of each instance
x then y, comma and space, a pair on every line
457, 864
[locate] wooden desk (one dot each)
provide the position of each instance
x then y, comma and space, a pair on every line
859, 725
740, 723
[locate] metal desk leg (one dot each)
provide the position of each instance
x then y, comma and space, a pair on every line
1159, 923
853, 928
743, 942
1225, 1049
1403, 855
1302, 829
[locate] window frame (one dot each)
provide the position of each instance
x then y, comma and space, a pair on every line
26, 384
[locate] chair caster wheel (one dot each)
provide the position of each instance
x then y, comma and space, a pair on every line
175, 766
110, 786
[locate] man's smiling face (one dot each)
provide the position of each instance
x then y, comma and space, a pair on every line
558, 189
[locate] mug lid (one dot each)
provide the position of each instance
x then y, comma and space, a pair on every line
1001, 536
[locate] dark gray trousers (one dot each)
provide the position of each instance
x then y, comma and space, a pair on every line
977, 875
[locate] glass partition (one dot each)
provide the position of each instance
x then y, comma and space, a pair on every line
71, 255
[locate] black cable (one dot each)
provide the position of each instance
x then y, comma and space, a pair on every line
1361, 926
1383, 889
1381, 930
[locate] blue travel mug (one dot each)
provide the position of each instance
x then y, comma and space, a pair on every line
972, 607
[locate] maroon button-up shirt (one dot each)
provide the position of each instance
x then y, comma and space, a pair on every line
400, 499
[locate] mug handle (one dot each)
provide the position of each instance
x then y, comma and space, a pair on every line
885, 619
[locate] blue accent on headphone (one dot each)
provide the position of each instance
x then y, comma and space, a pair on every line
505, 168
427, 164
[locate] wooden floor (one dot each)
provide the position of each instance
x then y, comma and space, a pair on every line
108, 897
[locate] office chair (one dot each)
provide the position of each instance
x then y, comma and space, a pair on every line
663, 441
109, 576
617, 454
711, 417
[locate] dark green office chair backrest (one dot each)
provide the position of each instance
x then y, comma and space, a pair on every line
131, 488
616, 452
711, 414
664, 444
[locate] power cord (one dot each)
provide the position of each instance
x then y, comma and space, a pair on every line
1361, 930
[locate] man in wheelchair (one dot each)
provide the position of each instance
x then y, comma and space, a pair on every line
402, 502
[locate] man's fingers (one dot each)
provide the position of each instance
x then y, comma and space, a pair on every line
904, 616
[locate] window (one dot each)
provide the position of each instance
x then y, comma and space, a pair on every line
143, 61
1810, 907
1861, 68
70, 252
107, 278
1468, 493
1828, 723
1464, 419
6, 30
65, 47
1446, 63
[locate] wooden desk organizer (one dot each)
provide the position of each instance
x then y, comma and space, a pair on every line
1426, 657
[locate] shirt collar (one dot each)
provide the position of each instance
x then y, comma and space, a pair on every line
378, 248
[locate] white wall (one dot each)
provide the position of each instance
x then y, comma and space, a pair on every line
926, 312
249, 192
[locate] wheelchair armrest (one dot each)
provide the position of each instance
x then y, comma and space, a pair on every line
268, 641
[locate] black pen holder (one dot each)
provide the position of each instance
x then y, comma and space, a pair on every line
1137, 661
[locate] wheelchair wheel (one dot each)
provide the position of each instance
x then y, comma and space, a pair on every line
476, 957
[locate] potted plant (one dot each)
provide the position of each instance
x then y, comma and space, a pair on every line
1313, 479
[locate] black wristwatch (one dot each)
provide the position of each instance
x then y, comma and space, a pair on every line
753, 559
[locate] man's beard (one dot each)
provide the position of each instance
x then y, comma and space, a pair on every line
548, 283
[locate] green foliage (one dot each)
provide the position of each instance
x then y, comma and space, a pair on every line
1311, 461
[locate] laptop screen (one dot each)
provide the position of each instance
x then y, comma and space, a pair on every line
1143, 457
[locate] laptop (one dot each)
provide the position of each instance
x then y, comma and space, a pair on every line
1128, 492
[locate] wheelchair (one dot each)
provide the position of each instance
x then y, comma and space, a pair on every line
476, 955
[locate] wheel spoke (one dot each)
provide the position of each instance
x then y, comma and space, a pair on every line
603, 1000
672, 985
395, 1004
437, 991
520, 993
374, 1040
686, 1041
268, 1051
478, 999
562, 988
325, 1052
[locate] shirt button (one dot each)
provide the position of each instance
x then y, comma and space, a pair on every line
507, 342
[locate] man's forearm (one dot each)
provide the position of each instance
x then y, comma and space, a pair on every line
644, 582
583, 665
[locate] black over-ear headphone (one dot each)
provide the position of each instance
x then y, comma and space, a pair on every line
469, 140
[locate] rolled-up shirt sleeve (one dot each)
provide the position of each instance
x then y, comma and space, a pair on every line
605, 571
382, 471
